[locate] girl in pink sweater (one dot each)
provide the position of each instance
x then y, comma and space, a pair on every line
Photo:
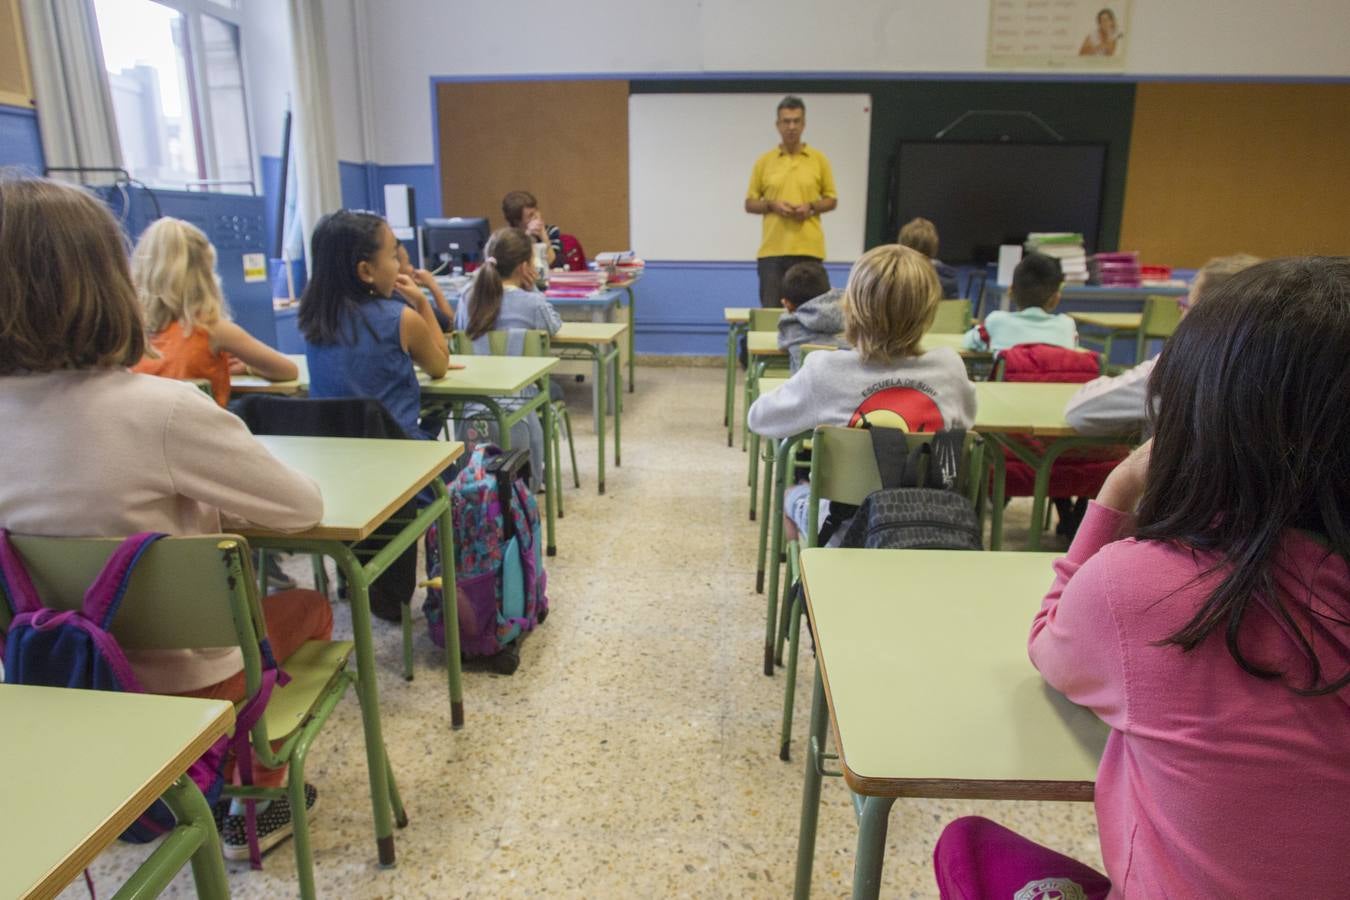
91, 449
1203, 612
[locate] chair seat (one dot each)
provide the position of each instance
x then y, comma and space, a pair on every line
312, 669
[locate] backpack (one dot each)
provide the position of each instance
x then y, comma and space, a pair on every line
74, 649
917, 507
499, 572
573, 256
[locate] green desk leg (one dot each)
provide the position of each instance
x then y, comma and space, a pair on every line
770, 451
553, 479
1042, 465
784, 468
193, 839
601, 401
445, 534
729, 413
876, 813
806, 831
1000, 492
618, 403
632, 337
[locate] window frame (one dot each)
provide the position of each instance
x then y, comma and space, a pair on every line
203, 122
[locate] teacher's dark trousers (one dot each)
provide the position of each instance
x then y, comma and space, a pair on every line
771, 271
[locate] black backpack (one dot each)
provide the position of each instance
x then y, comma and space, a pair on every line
918, 507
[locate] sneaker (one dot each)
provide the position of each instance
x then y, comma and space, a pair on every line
278, 580
274, 826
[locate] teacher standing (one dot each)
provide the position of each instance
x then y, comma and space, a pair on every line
790, 187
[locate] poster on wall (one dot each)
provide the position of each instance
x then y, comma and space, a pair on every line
1058, 34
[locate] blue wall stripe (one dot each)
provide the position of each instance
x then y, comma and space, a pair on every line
20, 141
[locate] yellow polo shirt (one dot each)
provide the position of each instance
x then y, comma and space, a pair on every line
801, 177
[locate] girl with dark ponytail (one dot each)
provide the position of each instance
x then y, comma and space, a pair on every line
502, 295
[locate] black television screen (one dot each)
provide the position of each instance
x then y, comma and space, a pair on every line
450, 243
980, 195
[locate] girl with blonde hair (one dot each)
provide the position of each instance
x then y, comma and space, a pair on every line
189, 327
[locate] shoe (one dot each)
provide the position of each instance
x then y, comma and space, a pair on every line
274, 826
278, 580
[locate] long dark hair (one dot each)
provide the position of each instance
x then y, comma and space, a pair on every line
1252, 438
505, 251
342, 240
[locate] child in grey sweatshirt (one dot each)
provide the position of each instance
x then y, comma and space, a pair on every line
813, 314
891, 299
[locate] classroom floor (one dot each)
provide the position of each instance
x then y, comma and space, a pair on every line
635, 751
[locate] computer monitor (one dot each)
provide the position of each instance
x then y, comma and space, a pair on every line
453, 242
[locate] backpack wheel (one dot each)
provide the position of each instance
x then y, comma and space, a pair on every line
506, 660
543, 614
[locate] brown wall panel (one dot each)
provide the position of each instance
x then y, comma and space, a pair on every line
564, 141
1223, 168
15, 87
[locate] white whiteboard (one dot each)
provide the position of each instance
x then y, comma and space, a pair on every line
689, 162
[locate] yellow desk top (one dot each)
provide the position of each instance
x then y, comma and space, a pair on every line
487, 376
765, 343
1109, 321
253, 384
586, 333
768, 385
1023, 407
736, 315
931, 693
364, 481
80, 766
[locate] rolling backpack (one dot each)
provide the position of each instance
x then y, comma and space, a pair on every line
74, 649
499, 570
917, 507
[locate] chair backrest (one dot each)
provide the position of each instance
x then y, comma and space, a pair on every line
1161, 317
536, 343
1046, 362
356, 417
844, 469
186, 592
765, 319
975, 279
953, 317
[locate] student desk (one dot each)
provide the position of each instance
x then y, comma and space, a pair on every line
1114, 324
364, 482
1036, 409
1077, 293
912, 718
598, 342
738, 323
626, 285
254, 384
488, 380
81, 766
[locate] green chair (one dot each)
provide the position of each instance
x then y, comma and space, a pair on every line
953, 317
1161, 317
844, 470
199, 592
764, 319
536, 344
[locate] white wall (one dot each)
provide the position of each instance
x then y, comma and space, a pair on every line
267, 70
412, 40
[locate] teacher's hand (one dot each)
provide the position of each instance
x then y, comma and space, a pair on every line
779, 208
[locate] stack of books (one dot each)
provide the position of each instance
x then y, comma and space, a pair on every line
623, 266
565, 284
1116, 269
1067, 247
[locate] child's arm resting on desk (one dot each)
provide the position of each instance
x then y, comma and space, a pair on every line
259, 358
792, 408
1075, 641
212, 458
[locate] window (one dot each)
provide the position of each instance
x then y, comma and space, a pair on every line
177, 87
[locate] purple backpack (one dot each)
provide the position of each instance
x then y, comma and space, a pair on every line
499, 570
73, 648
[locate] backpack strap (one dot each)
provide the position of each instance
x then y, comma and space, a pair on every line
14, 578
890, 450
936, 462
104, 596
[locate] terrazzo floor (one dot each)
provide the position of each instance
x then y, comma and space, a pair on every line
634, 754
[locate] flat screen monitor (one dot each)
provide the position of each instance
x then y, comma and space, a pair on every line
452, 243
983, 194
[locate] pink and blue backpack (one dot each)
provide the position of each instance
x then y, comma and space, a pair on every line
499, 570
73, 648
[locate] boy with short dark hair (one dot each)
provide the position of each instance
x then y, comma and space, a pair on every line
811, 311
1036, 291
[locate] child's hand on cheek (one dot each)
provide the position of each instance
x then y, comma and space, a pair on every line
1125, 485
408, 290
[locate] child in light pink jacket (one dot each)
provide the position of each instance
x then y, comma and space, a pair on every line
1206, 618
